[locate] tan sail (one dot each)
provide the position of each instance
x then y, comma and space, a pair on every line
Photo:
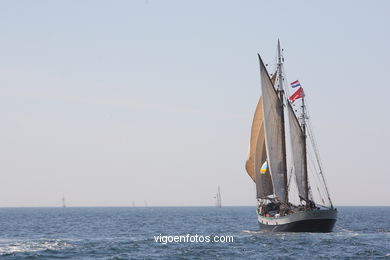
257, 127
257, 131
257, 155
263, 180
298, 152
274, 140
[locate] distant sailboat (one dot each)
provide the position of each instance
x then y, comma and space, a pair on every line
63, 201
218, 198
267, 161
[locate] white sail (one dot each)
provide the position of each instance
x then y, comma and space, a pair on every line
298, 152
274, 139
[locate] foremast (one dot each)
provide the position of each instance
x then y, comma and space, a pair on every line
280, 91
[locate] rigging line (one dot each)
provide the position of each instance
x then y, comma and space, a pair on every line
317, 181
286, 79
311, 137
286, 100
319, 197
313, 165
319, 162
315, 147
289, 180
286, 89
317, 154
313, 168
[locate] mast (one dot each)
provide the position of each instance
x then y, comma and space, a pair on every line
306, 178
281, 97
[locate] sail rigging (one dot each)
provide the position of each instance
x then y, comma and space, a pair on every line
257, 128
267, 160
268, 145
257, 155
263, 181
298, 147
274, 134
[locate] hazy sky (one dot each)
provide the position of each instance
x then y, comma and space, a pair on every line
110, 102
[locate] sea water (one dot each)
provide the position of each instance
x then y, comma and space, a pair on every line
131, 233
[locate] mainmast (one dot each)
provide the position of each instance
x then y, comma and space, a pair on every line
281, 97
305, 174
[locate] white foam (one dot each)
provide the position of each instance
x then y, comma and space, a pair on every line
252, 231
32, 246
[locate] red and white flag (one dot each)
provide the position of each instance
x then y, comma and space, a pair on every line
298, 94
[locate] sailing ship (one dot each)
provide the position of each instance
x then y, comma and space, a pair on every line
280, 164
63, 201
218, 198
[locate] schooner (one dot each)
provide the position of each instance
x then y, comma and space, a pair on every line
282, 156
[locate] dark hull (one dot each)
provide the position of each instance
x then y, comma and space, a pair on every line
321, 221
312, 225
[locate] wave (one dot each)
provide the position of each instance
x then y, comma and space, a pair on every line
252, 231
12, 247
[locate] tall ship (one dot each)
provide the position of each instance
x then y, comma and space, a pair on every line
283, 159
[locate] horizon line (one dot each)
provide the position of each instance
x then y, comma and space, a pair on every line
168, 206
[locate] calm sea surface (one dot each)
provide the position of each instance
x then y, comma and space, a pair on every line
128, 233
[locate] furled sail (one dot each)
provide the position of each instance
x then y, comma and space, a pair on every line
298, 152
274, 129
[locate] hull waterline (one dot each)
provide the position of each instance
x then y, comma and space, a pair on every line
321, 221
